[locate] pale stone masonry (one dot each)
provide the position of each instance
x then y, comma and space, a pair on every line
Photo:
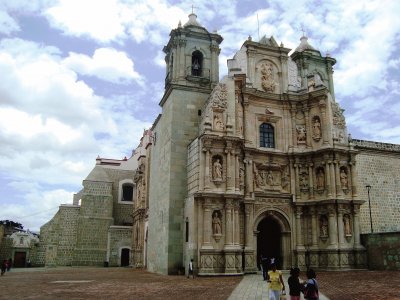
257, 163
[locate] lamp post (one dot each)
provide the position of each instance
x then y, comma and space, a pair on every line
369, 204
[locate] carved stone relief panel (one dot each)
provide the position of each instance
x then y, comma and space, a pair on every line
218, 122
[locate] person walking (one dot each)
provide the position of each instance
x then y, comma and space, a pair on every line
264, 266
191, 272
311, 290
9, 264
275, 283
295, 287
3, 267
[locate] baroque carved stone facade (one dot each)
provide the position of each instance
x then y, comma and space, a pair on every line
259, 162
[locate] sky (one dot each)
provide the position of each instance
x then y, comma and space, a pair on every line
83, 78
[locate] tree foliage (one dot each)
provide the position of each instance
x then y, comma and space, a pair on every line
8, 223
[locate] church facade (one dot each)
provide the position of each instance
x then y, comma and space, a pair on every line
257, 163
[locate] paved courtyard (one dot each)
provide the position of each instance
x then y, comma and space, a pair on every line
126, 283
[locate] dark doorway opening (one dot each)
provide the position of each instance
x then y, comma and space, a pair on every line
19, 259
269, 240
125, 257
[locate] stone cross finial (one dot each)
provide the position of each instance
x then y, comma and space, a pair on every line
302, 29
193, 7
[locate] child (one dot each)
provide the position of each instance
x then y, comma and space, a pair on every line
295, 287
311, 290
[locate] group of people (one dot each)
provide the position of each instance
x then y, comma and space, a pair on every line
277, 286
6, 266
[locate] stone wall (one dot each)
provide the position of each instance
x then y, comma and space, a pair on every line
193, 167
119, 237
383, 250
377, 166
58, 238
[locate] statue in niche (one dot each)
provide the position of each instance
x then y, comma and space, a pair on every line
218, 125
301, 134
259, 178
217, 170
241, 176
139, 190
216, 224
347, 227
304, 180
285, 181
267, 77
343, 179
323, 226
316, 129
270, 178
311, 85
320, 179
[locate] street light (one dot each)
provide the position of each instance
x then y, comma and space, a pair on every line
369, 204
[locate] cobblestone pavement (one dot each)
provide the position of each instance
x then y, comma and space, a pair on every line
125, 283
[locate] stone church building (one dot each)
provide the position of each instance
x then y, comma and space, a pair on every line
259, 162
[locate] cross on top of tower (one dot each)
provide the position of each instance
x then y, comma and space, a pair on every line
302, 29
193, 7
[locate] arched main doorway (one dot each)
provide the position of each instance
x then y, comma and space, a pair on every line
269, 240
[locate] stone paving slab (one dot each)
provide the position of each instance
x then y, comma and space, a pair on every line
253, 287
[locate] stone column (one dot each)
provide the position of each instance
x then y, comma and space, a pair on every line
292, 178
324, 122
332, 183
299, 235
311, 179
249, 177
339, 191
313, 211
237, 225
214, 76
182, 66
248, 223
228, 223
352, 166
340, 227
229, 171
356, 226
293, 140
237, 172
207, 224
201, 169
308, 127
332, 228
297, 182
328, 178
207, 169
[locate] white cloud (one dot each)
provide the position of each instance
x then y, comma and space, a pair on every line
114, 20
49, 124
107, 64
100, 20
7, 24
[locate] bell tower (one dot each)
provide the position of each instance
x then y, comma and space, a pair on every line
192, 55
191, 74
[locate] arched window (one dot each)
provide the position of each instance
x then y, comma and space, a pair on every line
127, 192
267, 136
197, 63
